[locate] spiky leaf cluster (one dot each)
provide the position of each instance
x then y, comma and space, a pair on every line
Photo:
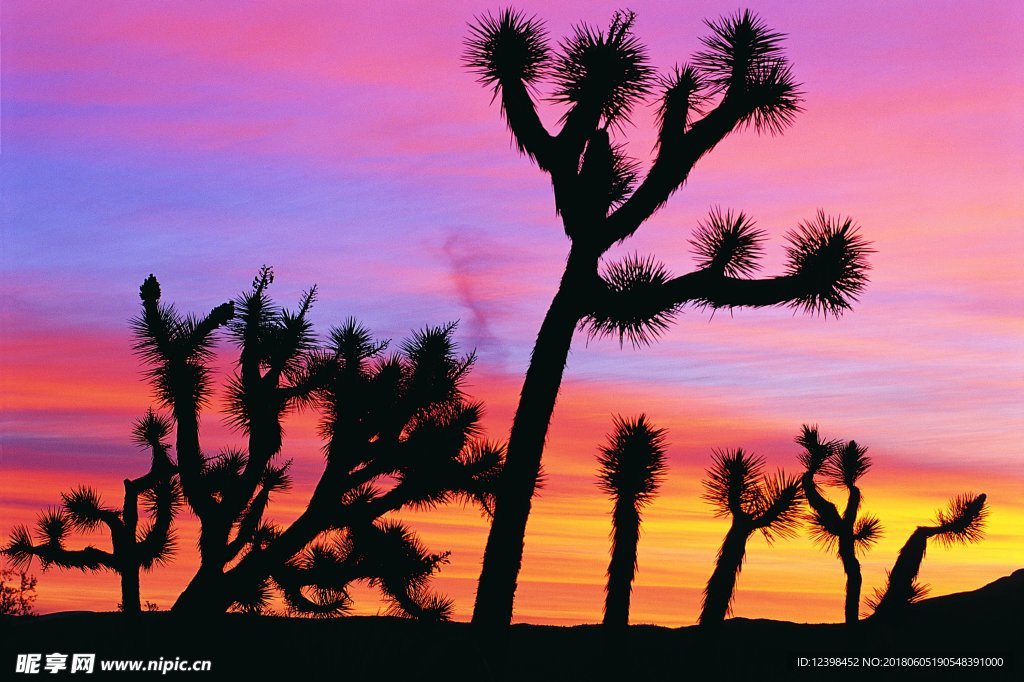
847, 464
867, 531
256, 600
632, 306
176, 347
632, 461
830, 257
731, 481
737, 486
84, 508
963, 520
776, 511
728, 243
684, 95
815, 452
605, 72
916, 592
506, 48
151, 430
743, 58
385, 554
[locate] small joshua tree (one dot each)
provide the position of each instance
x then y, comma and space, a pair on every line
738, 488
133, 548
962, 522
632, 466
842, 466
398, 431
740, 79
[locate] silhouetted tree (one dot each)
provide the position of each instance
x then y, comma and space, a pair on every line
962, 522
17, 592
132, 547
398, 431
842, 466
632, 466
740, 79
738, 488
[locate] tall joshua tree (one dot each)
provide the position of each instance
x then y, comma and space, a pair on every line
842, 466
738, 488
962, 522
133, 548
632, 466
398, 431
740, 79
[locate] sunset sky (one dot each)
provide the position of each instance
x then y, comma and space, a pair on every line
346, 145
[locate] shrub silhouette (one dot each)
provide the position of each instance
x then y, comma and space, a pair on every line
133, 548
738, 488
17, 592
741, 78
962, 522
842, 465
632, 466
398, 431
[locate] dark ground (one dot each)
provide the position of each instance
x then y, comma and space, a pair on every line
988, 622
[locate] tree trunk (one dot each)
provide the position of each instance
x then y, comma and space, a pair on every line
212, 590
504, 553
900, 590
131, 602
718, 593
123, 542
851, 566
205, 594
622, 567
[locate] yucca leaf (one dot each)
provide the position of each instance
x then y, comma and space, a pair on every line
848, 463
731, 483
632, 461
607, 72
963, 521
867, 532
683, 96
507, 47
84, 508
632, 306
830, 256
728, 243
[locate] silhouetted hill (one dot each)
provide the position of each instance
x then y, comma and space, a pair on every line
985, 622
1002, 599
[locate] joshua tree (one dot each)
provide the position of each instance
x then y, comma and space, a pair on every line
962, 522
132, 548
398, 432
842, 466
737, 487
740, 79
632, 468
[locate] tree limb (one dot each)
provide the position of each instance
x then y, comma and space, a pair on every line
678, 152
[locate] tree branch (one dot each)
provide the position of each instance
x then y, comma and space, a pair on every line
88, 558
531, 137
678, 152
640, 308
827, 512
